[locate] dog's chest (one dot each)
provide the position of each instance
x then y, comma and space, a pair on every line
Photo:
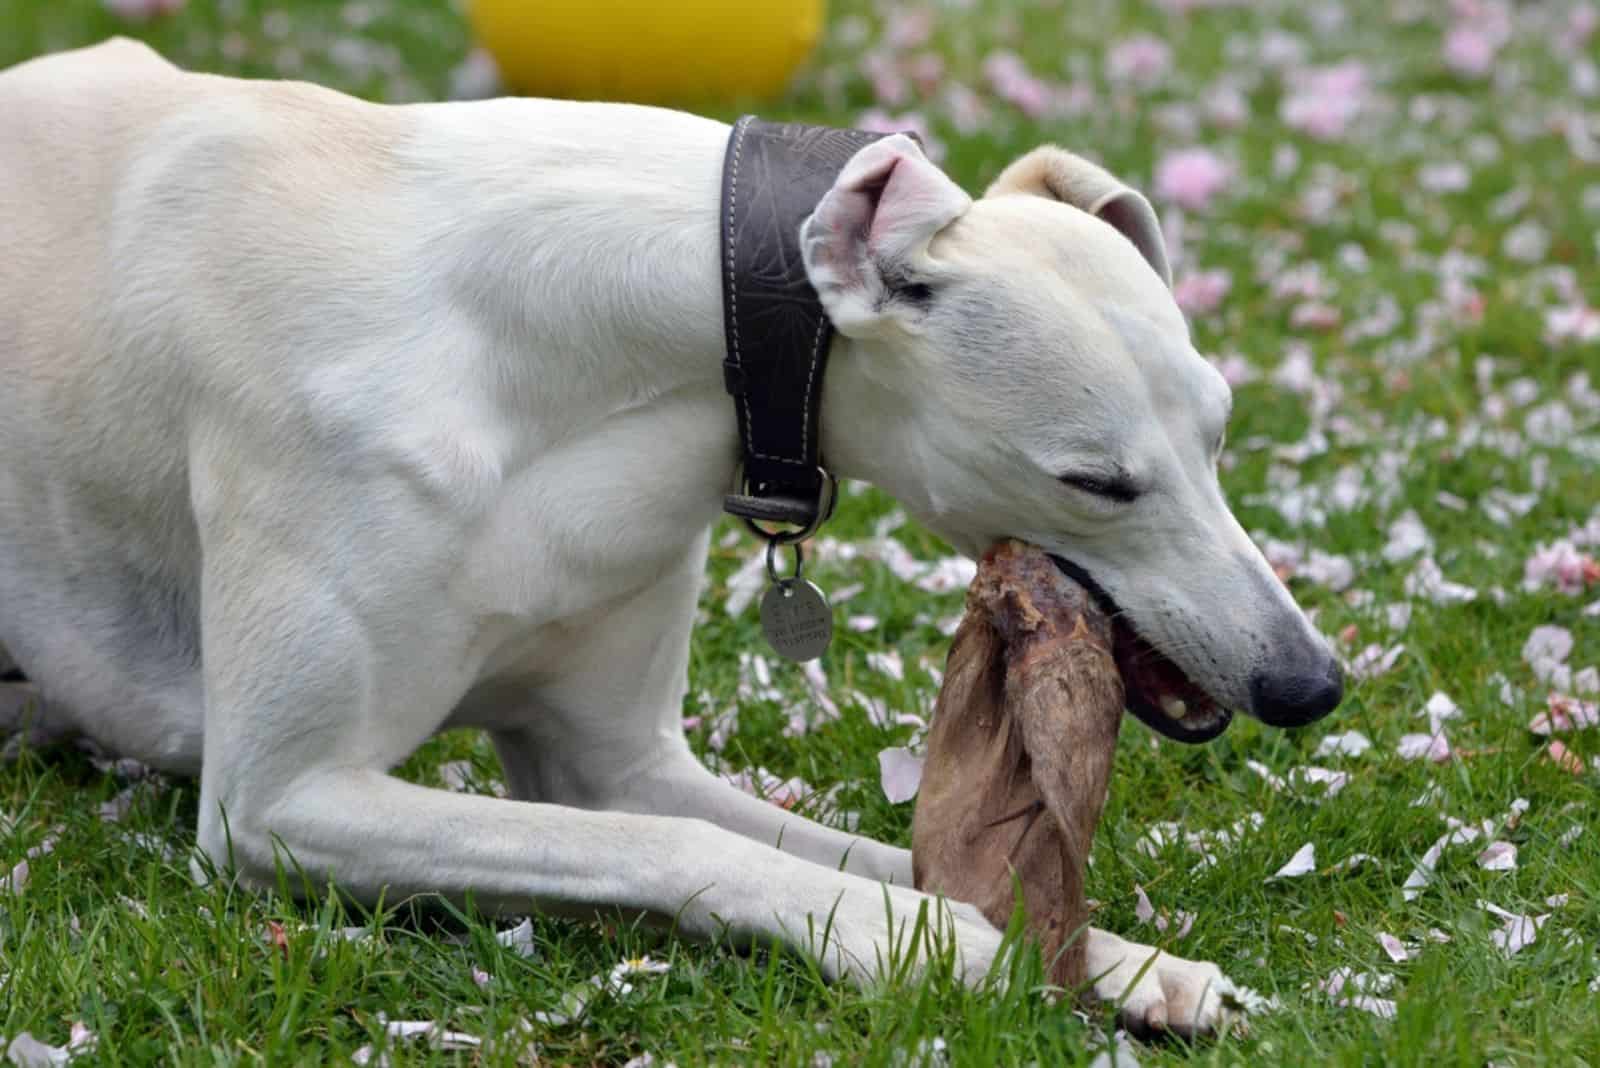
594, 521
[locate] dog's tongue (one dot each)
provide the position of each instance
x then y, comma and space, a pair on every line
1019, 755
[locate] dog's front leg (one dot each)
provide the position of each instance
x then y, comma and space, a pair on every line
378, 836
608, 734
314, 686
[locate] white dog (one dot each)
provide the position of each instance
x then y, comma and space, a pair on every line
325, 426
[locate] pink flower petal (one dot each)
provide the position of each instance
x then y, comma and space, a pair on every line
1192, 177
1563, 713
1498, 856
1394, 947
1202, 292
1468, 51
1141, 60
1564, 758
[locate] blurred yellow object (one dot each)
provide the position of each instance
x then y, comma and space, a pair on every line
647, 50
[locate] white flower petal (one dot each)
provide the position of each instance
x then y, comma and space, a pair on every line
1333, 781
948, 575
1548, 642
901, 773
1271, 778
25, 1051
1498, 856
16, 880
1303, 862
1434, 747
1407, 538
1518, 930
1383, 1008
518, 939
888, 662
1350, 743
1440, 708
1143, 911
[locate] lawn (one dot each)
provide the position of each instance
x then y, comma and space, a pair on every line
1385, 220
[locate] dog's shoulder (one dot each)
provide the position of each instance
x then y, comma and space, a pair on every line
122, 102
116, 59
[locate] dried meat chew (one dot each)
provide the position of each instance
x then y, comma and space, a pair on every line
1020, 752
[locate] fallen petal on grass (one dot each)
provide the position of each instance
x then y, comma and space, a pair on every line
1564, 714
1517, 930
1498, 856
25, 1051
1303, 862
1383, 1008
1562, 757
901, 773
407, 1030
1353, 861
518, 939
1395, 948
1143, 911
1433, 747
1350, 743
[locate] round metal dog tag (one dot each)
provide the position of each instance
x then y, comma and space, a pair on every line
797, 620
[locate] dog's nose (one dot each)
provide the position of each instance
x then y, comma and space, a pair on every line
1294, 698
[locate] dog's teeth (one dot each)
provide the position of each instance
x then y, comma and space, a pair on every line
1174, 708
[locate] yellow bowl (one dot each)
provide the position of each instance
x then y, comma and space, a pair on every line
647, 50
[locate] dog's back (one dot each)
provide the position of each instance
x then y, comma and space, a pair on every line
68, 125
141, 208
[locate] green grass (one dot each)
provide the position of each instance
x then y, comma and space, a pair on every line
111, 931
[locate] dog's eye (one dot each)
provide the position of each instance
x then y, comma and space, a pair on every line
1116, 489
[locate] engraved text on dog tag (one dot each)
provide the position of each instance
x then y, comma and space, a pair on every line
797, 620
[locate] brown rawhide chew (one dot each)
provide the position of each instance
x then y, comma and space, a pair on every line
1019, 756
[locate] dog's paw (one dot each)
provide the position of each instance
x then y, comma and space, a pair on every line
1185, 997
885, 930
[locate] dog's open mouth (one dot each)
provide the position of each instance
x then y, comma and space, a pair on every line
1157, 690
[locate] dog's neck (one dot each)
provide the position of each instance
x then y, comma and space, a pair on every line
592, 274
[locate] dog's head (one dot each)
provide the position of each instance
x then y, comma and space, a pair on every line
1016, 366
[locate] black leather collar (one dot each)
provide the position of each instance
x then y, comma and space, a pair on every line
777, 334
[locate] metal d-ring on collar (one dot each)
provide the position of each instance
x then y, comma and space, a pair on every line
751, 509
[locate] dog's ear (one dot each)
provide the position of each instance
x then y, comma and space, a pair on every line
866, 241
1054, 172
